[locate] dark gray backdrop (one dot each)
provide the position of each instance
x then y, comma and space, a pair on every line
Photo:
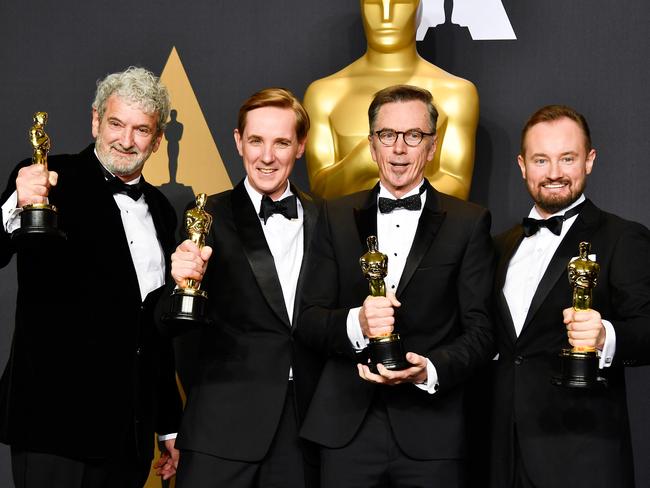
588, 53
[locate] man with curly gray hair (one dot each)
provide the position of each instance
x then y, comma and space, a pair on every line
89, 379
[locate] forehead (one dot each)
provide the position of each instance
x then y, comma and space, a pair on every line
271, 122
128, 111
403, 115
555, 137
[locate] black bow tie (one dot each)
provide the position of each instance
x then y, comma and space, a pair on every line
414, 202
288, 207
118, 186
554, 224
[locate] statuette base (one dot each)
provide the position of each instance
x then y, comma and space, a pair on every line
388, 351
187, 305
38, 222
579, 370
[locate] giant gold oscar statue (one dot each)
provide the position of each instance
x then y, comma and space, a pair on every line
338, 158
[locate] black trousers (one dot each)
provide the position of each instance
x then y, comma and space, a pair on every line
42, 470
373, 459
283, 466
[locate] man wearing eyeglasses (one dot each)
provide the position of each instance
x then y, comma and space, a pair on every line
397, 428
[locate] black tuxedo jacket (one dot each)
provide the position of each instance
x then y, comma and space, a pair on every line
570, 437
88, 375
444, 291
234, 408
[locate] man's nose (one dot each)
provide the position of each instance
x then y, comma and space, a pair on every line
126, 139
268, 154
554, 170
400, 147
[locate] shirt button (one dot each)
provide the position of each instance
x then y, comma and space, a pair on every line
519, 360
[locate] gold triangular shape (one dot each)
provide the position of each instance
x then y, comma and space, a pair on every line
199, 163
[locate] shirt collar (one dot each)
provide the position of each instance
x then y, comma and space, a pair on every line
383, 192
256, 197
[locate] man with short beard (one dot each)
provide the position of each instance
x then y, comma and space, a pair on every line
89, 379
544, 435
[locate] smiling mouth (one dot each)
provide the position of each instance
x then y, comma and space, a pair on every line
398, 164
123, 152
266, 171
554, 186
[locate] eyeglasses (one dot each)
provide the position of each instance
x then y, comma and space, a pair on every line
411, 137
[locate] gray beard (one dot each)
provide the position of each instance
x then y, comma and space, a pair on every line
116, 166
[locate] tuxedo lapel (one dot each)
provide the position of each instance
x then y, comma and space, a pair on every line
102, 196
366, 217
164, 228
105, 212
428, 226
309, 215
510, 244
582, 230
257, 251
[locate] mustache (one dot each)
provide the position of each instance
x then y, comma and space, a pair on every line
548, 181
128, 150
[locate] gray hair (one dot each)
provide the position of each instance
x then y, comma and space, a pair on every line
138, 86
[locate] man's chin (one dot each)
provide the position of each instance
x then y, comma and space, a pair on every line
126, 168
552, 206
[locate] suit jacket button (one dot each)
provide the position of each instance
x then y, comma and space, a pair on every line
138, 351
519, 360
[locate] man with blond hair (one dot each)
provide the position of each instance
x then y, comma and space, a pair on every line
240, 427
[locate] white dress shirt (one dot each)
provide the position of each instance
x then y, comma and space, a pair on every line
395, 234
146, 252
285, 238
526, 269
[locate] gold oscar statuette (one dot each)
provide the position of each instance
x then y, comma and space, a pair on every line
38, 221
189, 303
386, 349
579, 365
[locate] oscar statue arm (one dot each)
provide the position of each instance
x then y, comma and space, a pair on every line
629, 288
322, 321
456, 151
332, 174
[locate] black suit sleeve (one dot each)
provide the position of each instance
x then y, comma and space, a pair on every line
7, 248
455, 361
322, 323
629, 284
